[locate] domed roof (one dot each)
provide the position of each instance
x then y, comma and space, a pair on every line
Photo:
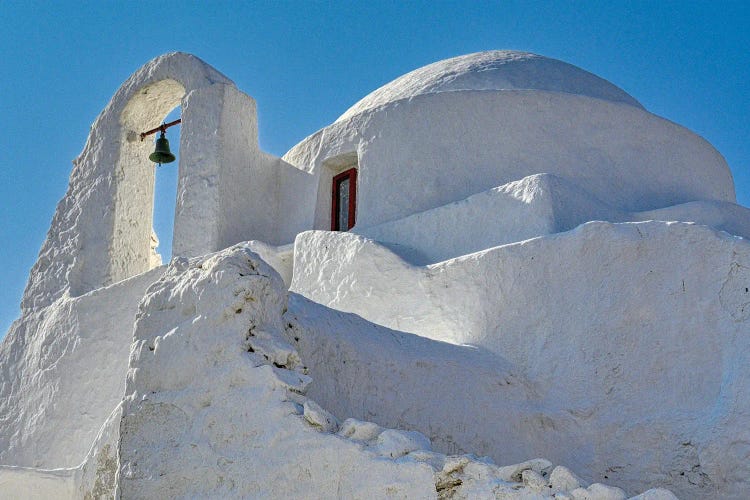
493, 70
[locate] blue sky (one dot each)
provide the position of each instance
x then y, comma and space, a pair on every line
307, 62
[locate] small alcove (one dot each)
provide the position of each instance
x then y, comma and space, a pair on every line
337, 195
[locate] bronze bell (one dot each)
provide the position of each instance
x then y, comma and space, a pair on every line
161, 153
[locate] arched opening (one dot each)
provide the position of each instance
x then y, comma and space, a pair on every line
102, 228
132, 247
165, 192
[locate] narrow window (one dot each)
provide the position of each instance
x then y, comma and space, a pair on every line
344, 202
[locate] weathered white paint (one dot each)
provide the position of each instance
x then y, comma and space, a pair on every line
213, 173
200, 410
589, 346
20, 482
533, 206
639, 328
369, 372
63, 371
95, 477
434, 149
212, 382
102, 227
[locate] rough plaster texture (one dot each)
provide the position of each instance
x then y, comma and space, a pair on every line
618, 349
463, 126
101, 230
201, 410
130, 242
19, 482
533, 206
724, 216
397, 379
228, 189
297, 195
96, 477
213, 382
62, 372
640, 328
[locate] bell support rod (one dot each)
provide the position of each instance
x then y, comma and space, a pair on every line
161, 128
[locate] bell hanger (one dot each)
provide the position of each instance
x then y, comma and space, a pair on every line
161, 153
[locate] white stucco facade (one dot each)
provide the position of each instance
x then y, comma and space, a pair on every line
539, 267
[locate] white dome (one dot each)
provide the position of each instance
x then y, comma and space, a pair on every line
493, 70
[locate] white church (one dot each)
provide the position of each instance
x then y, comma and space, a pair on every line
495, 259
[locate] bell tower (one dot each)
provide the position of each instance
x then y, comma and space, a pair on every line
101, 231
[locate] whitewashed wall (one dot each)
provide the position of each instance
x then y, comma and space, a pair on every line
640, 328
635, 332
434, 149
214, 399
63, 372
533, 206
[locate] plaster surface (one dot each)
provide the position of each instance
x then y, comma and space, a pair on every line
101, 231
434, 149
474, 309
200, 426
492, 70
639, 327
63, 372
534, 206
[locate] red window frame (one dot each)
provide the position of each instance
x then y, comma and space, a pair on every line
351, 174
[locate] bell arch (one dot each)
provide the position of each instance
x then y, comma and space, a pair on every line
101, 231
131, 250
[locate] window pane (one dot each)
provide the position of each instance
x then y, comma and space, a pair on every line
343, 204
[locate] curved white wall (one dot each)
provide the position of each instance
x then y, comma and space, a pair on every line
493, 70
534, 206
639, 328
63, 371
435, 149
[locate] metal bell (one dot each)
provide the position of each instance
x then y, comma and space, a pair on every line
161, 153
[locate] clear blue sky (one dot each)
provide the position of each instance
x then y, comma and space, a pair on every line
306, 62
